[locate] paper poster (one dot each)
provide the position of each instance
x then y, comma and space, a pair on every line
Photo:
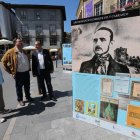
91, 109
123, 101
133, 116
135, 91
106, 87
109, 109
121, 84
79, 106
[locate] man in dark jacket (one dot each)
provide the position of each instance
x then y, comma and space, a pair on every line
42, 66
102, 62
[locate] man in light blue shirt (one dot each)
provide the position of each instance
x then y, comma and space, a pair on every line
2, 105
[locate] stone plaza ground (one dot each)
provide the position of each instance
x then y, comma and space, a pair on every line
48, 120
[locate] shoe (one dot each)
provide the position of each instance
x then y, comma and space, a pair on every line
43, 97
29, 99
21, 103
53, 98
5, 111
2, 120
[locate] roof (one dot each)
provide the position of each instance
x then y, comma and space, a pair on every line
62, 8
7, 6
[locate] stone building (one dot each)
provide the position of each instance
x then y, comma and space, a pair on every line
88, 8
40, 22
7, 21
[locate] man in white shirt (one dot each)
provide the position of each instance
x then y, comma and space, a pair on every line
42, 66
16, 62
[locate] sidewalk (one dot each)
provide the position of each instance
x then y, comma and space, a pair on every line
50, 120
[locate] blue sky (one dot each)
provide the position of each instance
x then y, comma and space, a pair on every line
70, 7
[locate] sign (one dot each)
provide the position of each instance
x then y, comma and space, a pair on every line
133, 116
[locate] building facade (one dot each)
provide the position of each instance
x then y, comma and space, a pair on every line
89, 8
40, 22
7, 22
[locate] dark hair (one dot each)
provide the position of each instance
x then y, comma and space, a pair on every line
15, 39
107, 29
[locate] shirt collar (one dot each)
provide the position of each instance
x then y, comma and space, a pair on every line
40, 51
17, 50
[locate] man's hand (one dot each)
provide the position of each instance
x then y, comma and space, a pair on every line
13, 75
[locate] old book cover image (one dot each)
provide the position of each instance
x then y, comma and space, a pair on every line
79, 106
133, 116
91, 109
135, 90
109, 109
106, 87
123, 101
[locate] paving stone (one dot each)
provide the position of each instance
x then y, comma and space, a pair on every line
19, 130
51, 117
38, 127
24, 137
52, 134
115, 136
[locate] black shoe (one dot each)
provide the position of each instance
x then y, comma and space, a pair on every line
21, 103
6, 111
30, 99
53, 98
43, 97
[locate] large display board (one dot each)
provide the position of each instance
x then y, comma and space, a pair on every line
106, 71
67, 57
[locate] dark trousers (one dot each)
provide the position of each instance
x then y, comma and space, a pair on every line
22, 79
45, 77
2, 105
39, 86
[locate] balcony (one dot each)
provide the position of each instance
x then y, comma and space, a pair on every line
39, 34
130, 5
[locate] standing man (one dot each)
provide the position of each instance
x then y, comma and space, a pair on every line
102, 62
2, 105
16, 62
42, 66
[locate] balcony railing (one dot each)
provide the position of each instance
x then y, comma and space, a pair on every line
39, 34
116, 7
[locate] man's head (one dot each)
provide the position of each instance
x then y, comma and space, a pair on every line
101, 40
38, 45
18, 43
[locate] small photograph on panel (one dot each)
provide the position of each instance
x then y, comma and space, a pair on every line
133, 116
106, 87
79, 106
123, 101
109, 109
91, 109
135, 90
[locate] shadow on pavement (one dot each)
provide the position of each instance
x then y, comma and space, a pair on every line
59, 94
37, 106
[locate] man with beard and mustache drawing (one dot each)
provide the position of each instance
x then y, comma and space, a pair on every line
102, 62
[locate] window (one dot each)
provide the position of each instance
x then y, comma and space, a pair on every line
52, 29
39, 30
124, 2
37, 14
53, 40
52, 15
98, 8
23, 14
26, 40
24, 30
